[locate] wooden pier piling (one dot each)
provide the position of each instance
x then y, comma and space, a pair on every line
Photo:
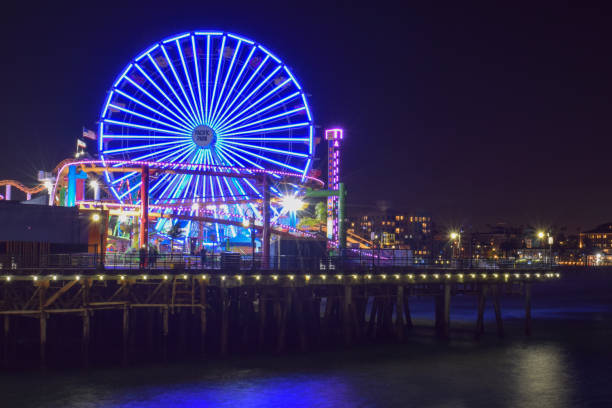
239, 313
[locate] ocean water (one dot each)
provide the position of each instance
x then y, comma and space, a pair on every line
567, 362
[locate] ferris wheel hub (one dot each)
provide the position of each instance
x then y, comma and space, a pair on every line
203, 136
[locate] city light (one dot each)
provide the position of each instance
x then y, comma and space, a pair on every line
94, 184
454, 235
95, 217
292, 203
540, 234
246, 223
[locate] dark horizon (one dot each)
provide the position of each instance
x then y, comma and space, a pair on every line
473, 115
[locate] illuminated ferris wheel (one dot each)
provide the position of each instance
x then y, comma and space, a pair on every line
208, 98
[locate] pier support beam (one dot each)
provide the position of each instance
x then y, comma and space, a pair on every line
165, 333
262, 319
6, 340
399, 313
497, 307
528, 308
346, 314
85, 339
203, 318
43, 339
482, 293
126, 334
225, 303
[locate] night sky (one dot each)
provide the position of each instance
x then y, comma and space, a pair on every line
474, 115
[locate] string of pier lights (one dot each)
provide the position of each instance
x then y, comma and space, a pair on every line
322, 278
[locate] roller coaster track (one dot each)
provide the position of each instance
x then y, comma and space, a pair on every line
36, 189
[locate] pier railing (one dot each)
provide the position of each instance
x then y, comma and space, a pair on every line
355, 261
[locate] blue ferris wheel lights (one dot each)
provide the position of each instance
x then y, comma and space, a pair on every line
144, 54
233, 86
269, 118
123, 74
208, 33
253, 76
269, 149
272, 105
264, 130
306, 105
197, 72
175, 38
245, 87
269, 54
197, 112
144, 105
184, 113
292, 77
270, 139
140, 115
229, 71
266, 96
137, 126
262, 83
240, 38
141, 147
214, 91
184, 118
178, 81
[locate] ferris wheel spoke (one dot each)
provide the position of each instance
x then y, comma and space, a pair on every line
227, 75
141, 147
189, 111
180, 158
207, 85
260, 111
274, 90
248, 97
144, 105
140, 115
187, 145
193, 98
183, 112
265, 130
216, 80
268, 149
137, 185
233, 86
233, 148
144, 91
269, 139
242, 89
231, 153
197, 72
179, 135
264, 120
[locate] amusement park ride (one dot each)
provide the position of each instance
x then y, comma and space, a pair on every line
208, 133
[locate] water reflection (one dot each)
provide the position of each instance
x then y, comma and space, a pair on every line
541, 377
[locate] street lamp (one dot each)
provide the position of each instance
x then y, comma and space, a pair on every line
96, 188
456, 236
97, 218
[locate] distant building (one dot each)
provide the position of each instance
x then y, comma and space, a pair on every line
394, 229
599, 238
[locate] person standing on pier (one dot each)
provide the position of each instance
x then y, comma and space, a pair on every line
143, 257
203, 256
